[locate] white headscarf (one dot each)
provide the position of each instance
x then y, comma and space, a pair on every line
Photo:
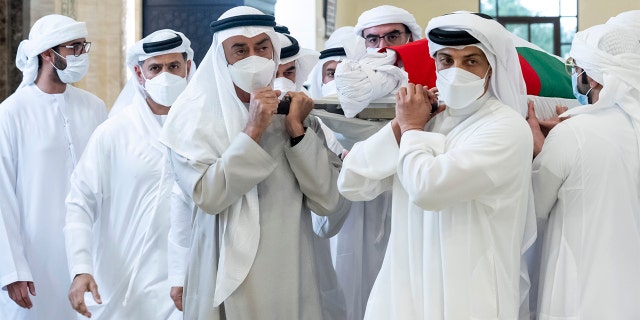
388, 14
627, 19
507, 83
203, 121
136, 54
610, 55
305, 60
338, 39
48, 32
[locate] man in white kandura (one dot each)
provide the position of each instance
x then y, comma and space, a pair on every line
44, 127
460, 180
362, 240
255, 176
586, 182
118, 206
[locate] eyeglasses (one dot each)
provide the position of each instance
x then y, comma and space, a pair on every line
79, 48
392, 38
570, 66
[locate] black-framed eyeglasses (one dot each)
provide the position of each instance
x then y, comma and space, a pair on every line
392, 38
79, 48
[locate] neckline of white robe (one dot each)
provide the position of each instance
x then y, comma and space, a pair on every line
145, 122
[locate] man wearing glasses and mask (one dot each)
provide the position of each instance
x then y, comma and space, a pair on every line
386, 26
362, 239
44, 127
586, 181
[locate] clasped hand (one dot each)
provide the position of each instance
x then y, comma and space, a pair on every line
413, 107
264, 104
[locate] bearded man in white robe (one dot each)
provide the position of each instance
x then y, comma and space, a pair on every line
460, 182
255, 176
44, 127
118, 206
586, 182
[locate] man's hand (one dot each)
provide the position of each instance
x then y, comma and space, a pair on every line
83, 283
301, 106
432, 95
176, 296
547, 125
534, 124
413, 108
262, 106
19, 292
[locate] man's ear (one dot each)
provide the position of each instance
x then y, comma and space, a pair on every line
138, 72
188, 67
592, 83
47, 55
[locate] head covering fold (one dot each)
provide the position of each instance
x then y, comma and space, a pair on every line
627, 19
203, 121
611, 56
290, 49
332, 52
242, 20
388, 14
162, 45
48, 32
452, 37
305, 59
506, 82
333, 48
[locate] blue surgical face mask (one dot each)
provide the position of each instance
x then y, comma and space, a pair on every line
582, 97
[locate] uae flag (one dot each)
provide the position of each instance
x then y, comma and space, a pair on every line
544, 73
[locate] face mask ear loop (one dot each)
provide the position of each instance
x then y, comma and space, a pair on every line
59, 55
587, 94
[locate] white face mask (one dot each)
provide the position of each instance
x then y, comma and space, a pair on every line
458, 88
329, 88
252, 72
76, 69
165, 88
284, 85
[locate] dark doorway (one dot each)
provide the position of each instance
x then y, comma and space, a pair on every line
191, 17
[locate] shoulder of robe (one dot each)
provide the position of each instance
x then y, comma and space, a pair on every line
16, 100
92, 98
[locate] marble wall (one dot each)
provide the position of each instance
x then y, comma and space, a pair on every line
105, 20
11, 26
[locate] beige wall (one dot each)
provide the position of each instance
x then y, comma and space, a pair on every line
423, 10
593, 12
590, 12
105, 21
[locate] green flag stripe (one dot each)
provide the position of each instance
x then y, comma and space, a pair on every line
554, 79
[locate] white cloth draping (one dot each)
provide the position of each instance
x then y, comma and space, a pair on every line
42, 136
